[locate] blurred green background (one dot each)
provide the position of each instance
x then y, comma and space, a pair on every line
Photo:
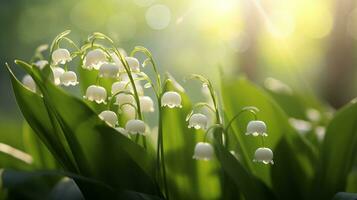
308, 44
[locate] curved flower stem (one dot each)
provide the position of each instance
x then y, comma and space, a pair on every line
160, 144
215, 104
128, 71
237, 115
149, 55
160, 151
112, 100
215, 126
199, 105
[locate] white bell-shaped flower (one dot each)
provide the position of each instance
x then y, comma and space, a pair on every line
171, 99
68, 78
264, 155
119, 86
135, 126
122, 131
61, 56
94, 59
128, 111
118, 62
123, 98
29, 83
138, 86
96, 93
41, 64
109, 70
203, 151
133, 63
256, 128
146, 104
109, 117
198, 121
57, 73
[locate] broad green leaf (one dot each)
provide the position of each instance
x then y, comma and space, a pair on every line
42, 158
91, 140
188, 178
352, 181
290, 178
35, 112
11, 132
240, 93
248, 184
338, 153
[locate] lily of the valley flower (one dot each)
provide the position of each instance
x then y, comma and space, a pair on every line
68, 78
133, 63
118, 62
41, 64
146, 104
203, 151
119, 86
61, 56
29, 83
198, 121
57, 73
171, 99
264, 155
256, 128
129, 111
94, 59
123, 98
96, 93
109, 117
109, 70
135, 126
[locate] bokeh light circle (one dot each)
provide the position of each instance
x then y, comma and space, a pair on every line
158, 16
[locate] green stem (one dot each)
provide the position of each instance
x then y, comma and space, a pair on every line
237, 115
161, 153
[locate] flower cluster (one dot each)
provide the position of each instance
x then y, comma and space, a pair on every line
121, 104
196, 120
109, 63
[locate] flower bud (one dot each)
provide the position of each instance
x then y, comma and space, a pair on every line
256, 128
68, 78
264, 155
146, 104
61, 56
57, 73
123, 98
29, 83
41, 64
109, 117
94, 59
96, 93
171, 99
133, 63
135, 126
198, 121
109, 70
203, 151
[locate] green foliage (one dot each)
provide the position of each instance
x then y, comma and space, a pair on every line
338, 153
73, 154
